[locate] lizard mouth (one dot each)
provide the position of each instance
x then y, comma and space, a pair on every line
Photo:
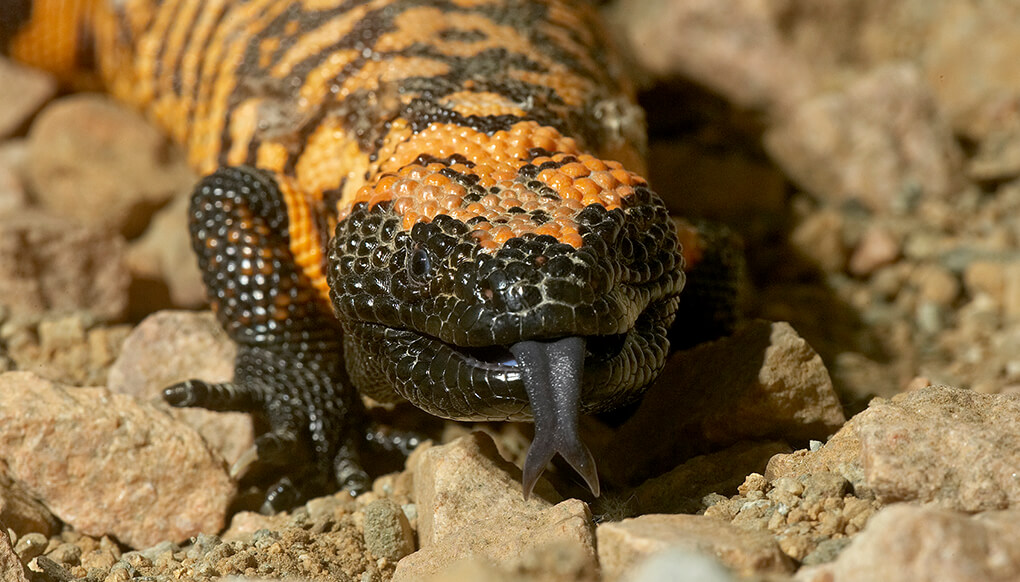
550, 381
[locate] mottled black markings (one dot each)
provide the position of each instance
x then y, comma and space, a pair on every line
368, 117
462, 35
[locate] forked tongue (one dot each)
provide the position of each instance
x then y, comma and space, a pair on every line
552, 378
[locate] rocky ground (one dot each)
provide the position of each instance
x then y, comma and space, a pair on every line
862, 425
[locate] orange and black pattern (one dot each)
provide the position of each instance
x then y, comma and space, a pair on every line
453, 181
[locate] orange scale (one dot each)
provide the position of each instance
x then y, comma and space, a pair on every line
403, 205
501, 234
572, 238
575, 170
386, 182
475, 209
488, 244
509, 201
450, 201
489, 201
587, 187
429, 209
592, 163
405, 188
409, 220
623, 176
429, 192
624, 191
518, 152
571, 193
560, 182
605, 180
613, 165
549, 228
504, 174
482, 226
377, 198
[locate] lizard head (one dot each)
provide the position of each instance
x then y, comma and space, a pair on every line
532, 290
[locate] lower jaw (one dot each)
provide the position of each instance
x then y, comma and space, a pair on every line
473, 384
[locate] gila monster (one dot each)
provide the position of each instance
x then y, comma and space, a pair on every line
437, 201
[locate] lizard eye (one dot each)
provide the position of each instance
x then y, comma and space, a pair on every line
420, 265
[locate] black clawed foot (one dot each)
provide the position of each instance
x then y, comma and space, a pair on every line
552, 379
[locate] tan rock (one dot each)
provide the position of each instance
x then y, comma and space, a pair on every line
172, 346
69, 349
764, 382
935, 284
51, 264
880, 138
927, 544
955, 448
21, 513
820, 239
877, 248
11, 569
12, 193
733, 47
470, 503
623, 544
841, 455
163, 254
106, 464
23, 91
952, 447
87, 143
1000, 280
681, 490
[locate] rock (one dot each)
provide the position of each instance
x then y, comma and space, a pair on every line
1000, 280
935, 284
172, 346
969, 53
682, 489
387, 531
68, 349
820, 239
469, 503
998, 155
764, 382
163, 255
51, 264
23, 91
876, 248
676, 565
554, 563
12, 193
922, 544
623, 544
11, 569
21, 513
879, 141
955, 448
841, 455
87, 143
732, 47
106, 464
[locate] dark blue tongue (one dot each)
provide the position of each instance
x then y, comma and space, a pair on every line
552, 378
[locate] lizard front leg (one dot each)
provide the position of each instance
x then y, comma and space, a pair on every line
289, 365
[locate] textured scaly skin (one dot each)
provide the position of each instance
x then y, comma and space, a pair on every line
447, 178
